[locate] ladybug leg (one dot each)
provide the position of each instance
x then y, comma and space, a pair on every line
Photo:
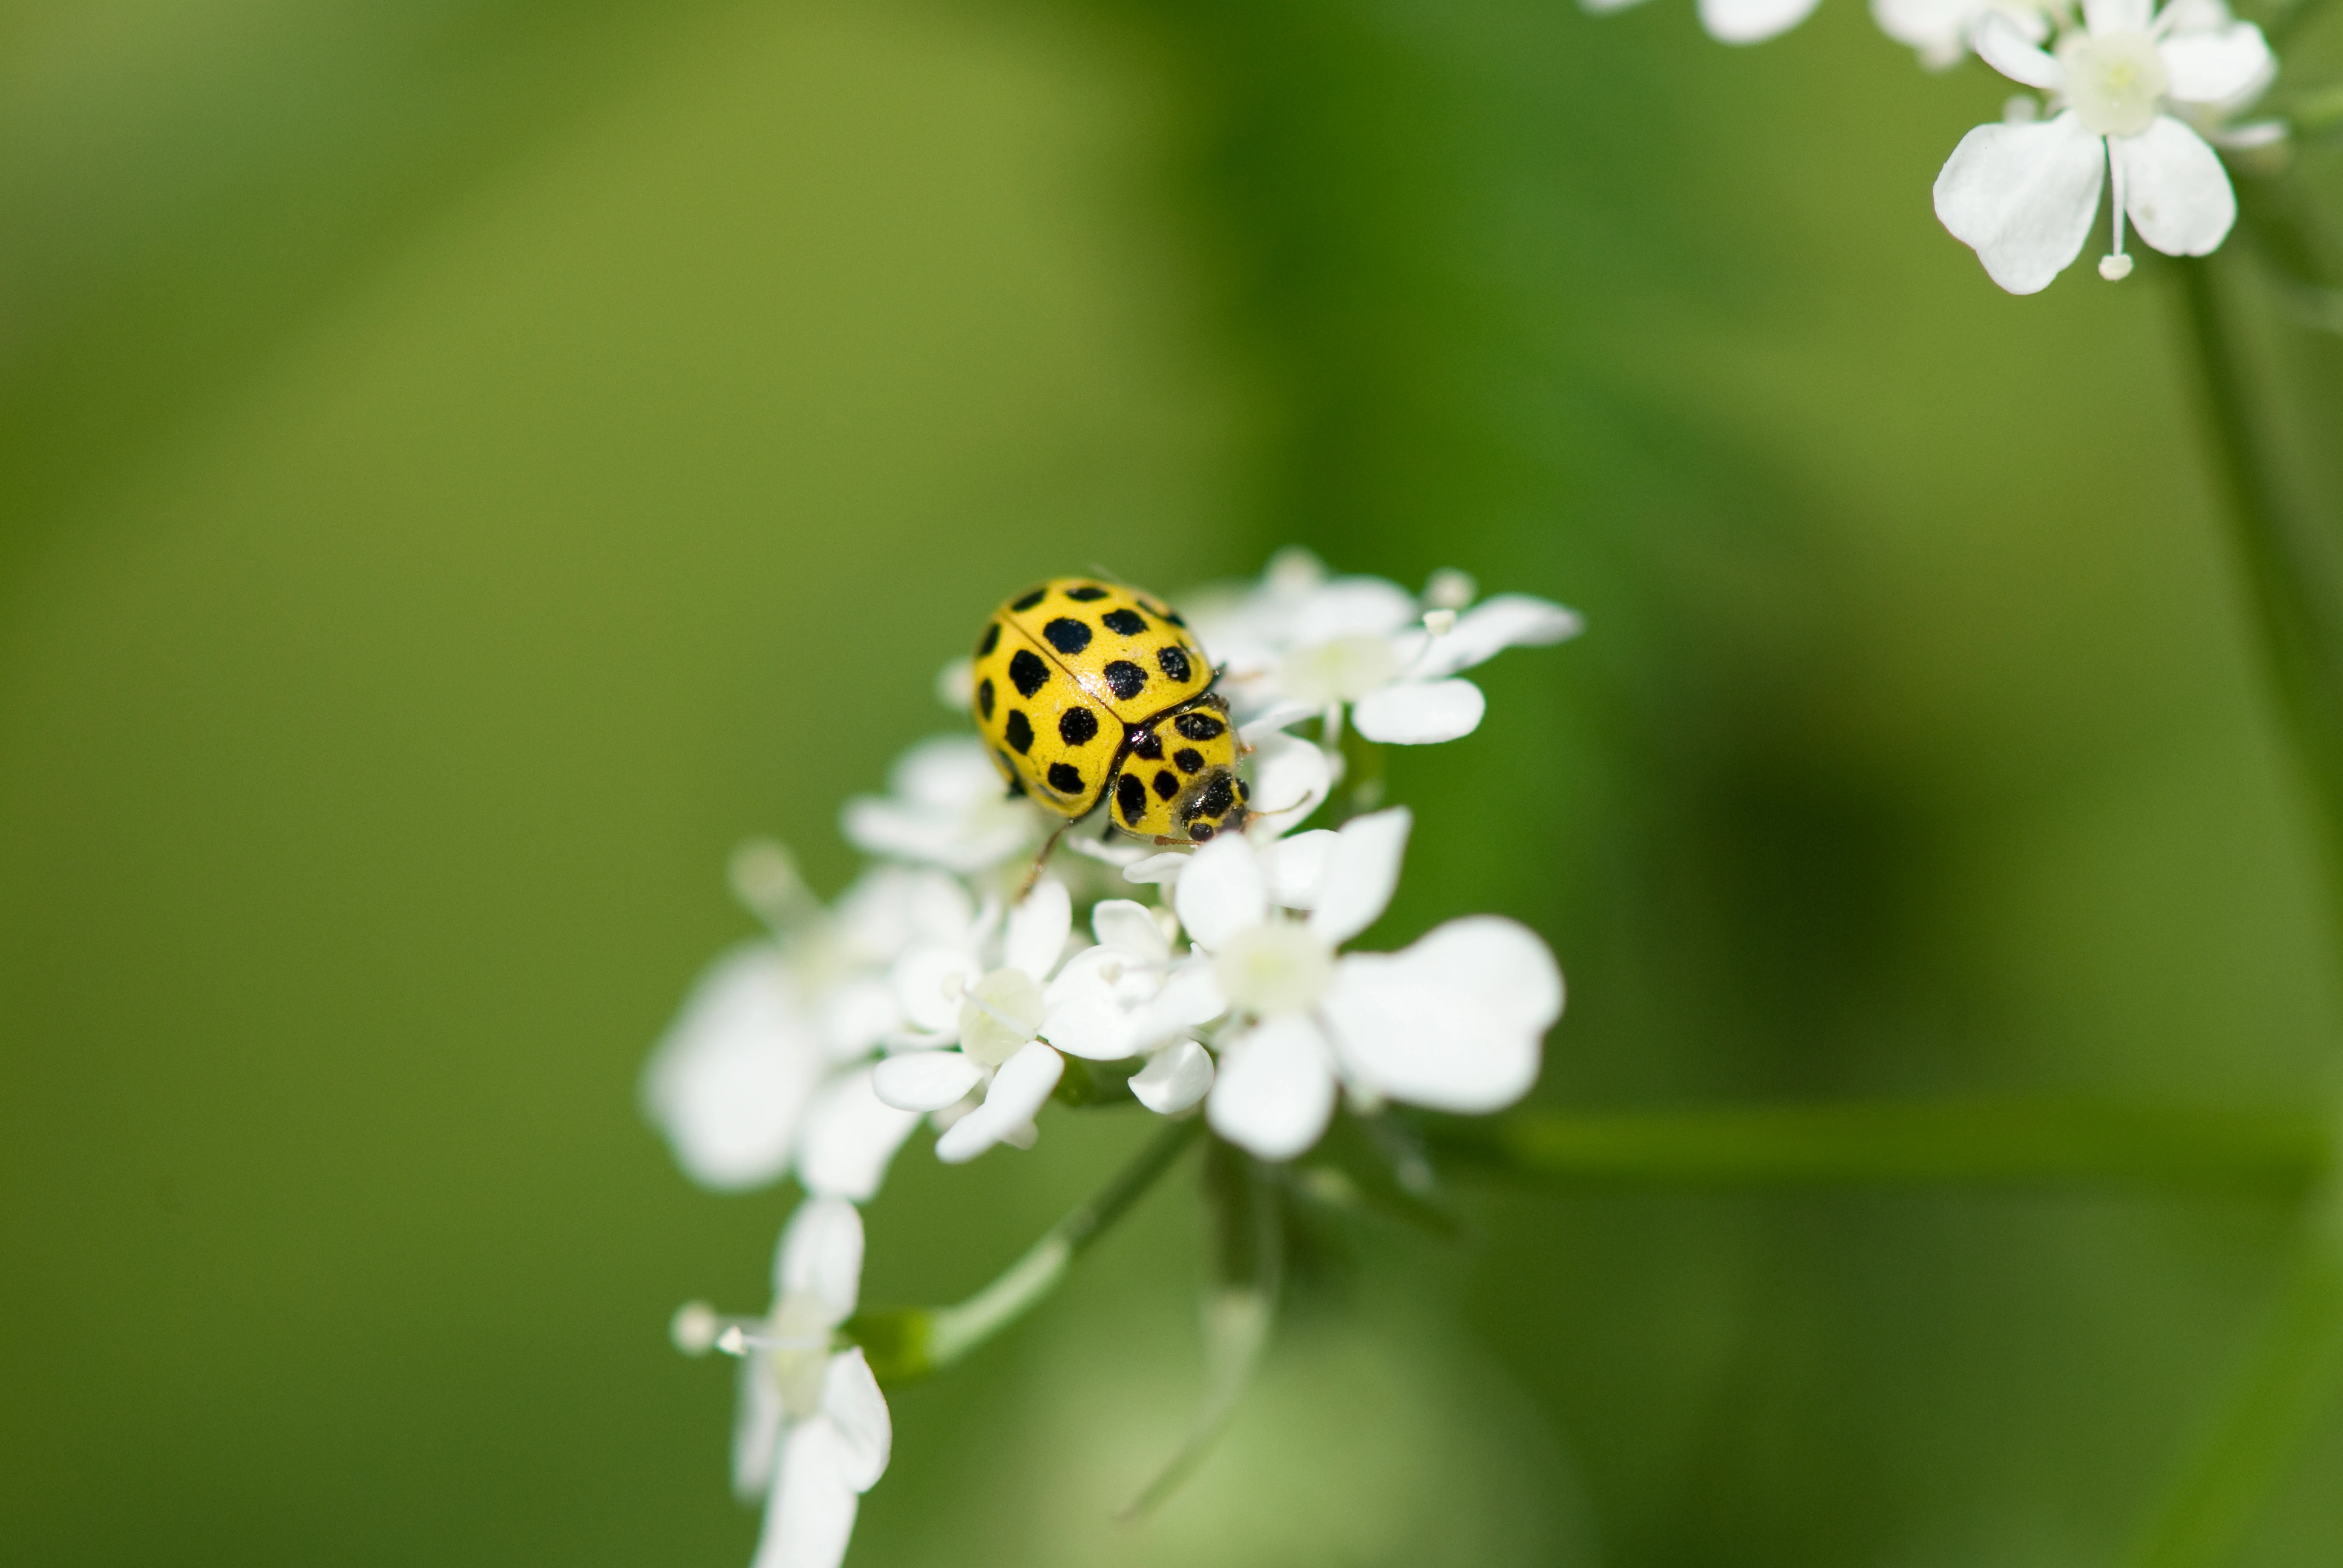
1033, 872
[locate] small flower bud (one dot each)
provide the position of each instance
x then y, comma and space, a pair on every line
1440, 622
693, 1328
2115, 268
1451, 589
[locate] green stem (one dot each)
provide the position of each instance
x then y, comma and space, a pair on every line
2294, 599
2287, 1388
908, 1343
1919, 1142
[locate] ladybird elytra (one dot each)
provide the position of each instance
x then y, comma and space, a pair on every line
1088, 691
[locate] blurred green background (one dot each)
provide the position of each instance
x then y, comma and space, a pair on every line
466, 463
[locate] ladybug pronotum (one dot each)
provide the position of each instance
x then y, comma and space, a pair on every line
1088, 691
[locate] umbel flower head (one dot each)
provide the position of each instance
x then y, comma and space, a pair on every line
1734, 20
2023, 196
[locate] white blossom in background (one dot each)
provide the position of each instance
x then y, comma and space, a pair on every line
2024, 196
1301, 643
945, 806
1939, 31
976, 1013
1454, 1022
1733, 20
767, 1069
812, 1434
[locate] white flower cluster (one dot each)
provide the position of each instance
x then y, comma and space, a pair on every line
2130, 92
930, 991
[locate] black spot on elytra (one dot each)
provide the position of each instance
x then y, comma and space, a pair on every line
1201, 832
1027, 672
1244, 790
1188, 759
1132, 798
1218, 798
1066, 634
1065, 780
1199, 725
1174, 661
984, 697
1167, 783
1084, 594
1077, 725
991, 639
1124, 622
1030, 599
1148, 744
1124, 678
1019, 732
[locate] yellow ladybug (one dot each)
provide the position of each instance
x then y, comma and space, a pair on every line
1090, 691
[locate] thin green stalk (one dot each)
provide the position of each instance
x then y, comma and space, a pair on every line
1869, 1143
2294, 599
908, 1342
2289, 1383
2287, 1388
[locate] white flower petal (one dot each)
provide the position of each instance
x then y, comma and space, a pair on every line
889, 908
1038, 929
1222, 892
1157, 870
2175, 189
1174, 1078
1296, 866
2001, 43
923, 1081
811, 1517
1604, 7
2023, 197
850, 1137
1496, 624
928, 981
2117, 16
1349, 606
728, 1084
1752, 20
852, 1404
1419, 713
1455, 1022
822, 1256
1290, 778
1087, 1014
1275, 1090
1362, 871
1191, 997
756, 1431
2218, 67
1938, 29
858, 1015
1130, 929
1276, 718
1018, 1089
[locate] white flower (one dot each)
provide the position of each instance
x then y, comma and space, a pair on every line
1127, 996
1454, 1022
945, 807
812, 1433
1302, 645
2024, 196
767, 1066
1734, 21
1940, 30
978, 1021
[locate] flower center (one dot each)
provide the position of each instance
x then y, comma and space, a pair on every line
1278, 967
2115, 80
1343, 670
798, 1362
998, 1014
